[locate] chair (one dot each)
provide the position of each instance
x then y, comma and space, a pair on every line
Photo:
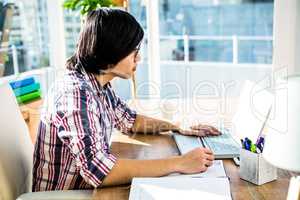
16, 153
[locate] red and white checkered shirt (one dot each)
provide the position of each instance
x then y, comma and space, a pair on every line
72, 149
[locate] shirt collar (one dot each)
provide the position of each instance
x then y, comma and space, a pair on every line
93, 82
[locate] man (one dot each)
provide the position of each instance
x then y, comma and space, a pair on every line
72, 149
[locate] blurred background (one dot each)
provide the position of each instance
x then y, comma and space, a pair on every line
205, 47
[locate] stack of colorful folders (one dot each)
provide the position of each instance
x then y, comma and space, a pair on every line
26, 90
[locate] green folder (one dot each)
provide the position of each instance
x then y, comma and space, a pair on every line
29, 97
26, 89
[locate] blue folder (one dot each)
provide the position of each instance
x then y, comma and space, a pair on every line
26, 89
21, 83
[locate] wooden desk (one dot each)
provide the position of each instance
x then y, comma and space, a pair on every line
152, 147
31, 115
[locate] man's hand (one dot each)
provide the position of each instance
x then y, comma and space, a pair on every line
195, 161
200, 130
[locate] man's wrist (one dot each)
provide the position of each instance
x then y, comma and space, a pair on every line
174, 164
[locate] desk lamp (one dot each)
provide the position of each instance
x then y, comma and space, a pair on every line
283, 149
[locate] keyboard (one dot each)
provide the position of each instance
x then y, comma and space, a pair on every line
187, 143
223, 146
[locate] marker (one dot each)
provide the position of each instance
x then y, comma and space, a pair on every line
260, 140
248, 140
247, 144
260, 143
258, 150
253, 148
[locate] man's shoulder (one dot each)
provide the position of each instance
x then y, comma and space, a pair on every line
69, 82
70, 86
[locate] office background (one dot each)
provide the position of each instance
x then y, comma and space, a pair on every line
204, 45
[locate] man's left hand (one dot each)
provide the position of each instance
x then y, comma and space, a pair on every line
200, 130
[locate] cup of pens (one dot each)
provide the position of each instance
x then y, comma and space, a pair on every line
253, 167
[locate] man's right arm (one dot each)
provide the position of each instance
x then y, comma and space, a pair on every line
195, 161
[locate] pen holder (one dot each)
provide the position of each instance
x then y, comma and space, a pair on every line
255, 169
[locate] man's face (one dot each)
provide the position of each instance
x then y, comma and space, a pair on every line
126, 67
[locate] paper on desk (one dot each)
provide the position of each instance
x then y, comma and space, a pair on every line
216, 170
180, 188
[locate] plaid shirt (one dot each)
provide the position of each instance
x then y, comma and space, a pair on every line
72, 149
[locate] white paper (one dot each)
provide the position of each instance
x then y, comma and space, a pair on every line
180, 188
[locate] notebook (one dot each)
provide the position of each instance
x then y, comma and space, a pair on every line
178, 188
212, 184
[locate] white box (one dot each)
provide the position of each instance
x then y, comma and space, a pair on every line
255, 169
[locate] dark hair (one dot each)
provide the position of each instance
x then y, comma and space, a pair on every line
108, 36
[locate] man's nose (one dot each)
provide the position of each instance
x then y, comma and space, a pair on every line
137, 58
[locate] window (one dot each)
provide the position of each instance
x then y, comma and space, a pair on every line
206, 45
216, 31
72, 25
26, 46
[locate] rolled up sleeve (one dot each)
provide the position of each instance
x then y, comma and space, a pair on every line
124, 116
